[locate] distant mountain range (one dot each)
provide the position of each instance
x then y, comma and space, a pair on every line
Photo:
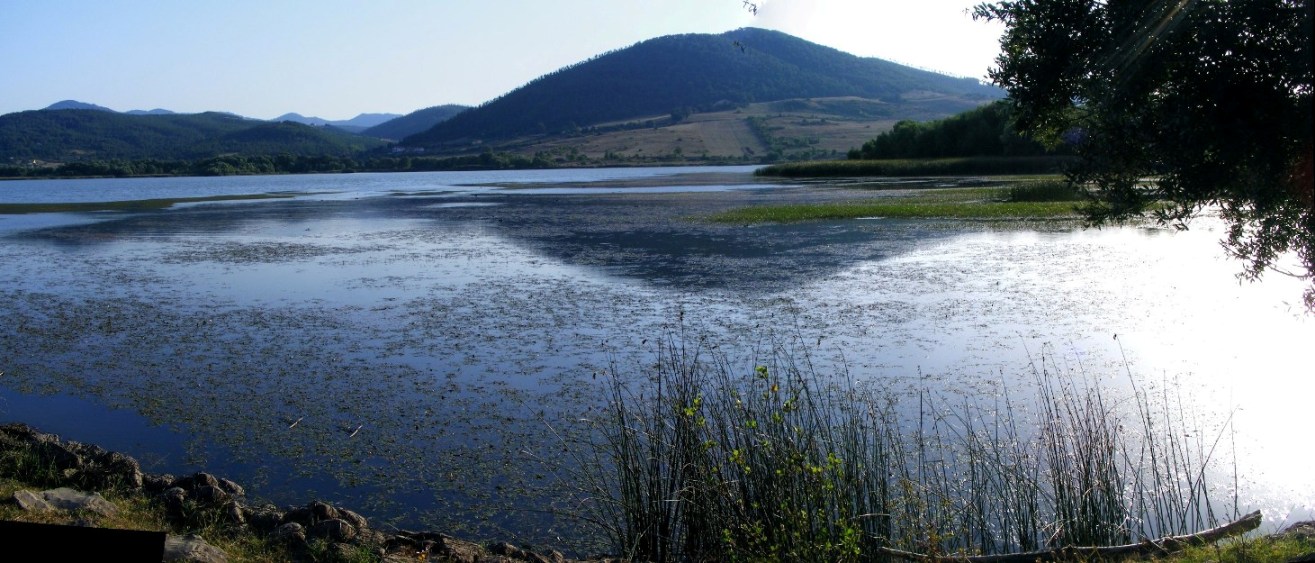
68, 135
355, 125
747, 94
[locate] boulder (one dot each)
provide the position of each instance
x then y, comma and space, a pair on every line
291, 533
192, 549
356, 520
68, 499
32, 501
322, 511
263, 518
333, 529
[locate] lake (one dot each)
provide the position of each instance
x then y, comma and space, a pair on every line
415, 346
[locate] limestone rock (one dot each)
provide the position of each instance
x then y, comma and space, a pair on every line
192, 549
31, 501
65, 498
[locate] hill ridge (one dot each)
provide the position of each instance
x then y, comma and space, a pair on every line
690, 73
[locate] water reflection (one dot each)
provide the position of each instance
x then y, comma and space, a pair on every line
452, 333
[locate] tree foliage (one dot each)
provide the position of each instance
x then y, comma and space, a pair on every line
985, 131
1210, 99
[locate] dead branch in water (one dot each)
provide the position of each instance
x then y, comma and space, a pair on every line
1161, 546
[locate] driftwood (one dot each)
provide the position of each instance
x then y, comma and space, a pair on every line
1148, 547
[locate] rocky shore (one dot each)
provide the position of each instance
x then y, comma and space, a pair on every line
316, 531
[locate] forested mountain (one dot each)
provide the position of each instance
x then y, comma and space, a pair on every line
984, 131
84, 134
74, 104
678, 74
414, 122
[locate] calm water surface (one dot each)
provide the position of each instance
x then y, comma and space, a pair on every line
431, 335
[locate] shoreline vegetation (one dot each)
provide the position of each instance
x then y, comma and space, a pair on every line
701, 460
977, 165
240, 165
1043, 198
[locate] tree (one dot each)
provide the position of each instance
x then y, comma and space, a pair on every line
1200, 104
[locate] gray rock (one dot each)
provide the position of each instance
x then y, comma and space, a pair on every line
322, 511
301, 516
234, 513
158, 483
192, 549
197, 481
232, 488
262, 518
291, 533
356, 520
333, 529
209, 494
31, 501
65, 498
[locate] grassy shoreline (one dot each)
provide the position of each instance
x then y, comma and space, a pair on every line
991, 204
919, 167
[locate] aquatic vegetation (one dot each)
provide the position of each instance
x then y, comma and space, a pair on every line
943, 203
706, 460
919, 167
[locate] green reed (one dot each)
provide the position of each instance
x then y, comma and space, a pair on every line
706, 459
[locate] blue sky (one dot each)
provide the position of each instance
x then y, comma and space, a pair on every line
338, 58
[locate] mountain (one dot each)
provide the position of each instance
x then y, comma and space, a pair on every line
74, 104
80, 134
414, 122
156, 111
355, 125
682, 74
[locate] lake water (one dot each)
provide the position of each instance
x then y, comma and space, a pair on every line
413, 345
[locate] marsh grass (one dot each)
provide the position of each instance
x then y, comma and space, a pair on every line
1045, 191
710, 460
943, 203
918, 167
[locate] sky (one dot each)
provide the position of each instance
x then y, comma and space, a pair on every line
335, 59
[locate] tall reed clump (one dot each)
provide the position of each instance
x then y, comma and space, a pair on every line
706, 460
1045, 190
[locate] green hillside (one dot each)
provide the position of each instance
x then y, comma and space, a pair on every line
81, 134
984, 131
415, 122
682, 74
